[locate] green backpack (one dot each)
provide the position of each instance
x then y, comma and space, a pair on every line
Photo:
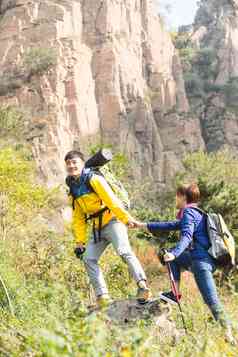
96, 165
116, 186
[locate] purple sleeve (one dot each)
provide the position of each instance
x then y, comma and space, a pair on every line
155, 227
187, 230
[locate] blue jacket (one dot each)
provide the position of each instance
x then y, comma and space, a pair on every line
193, 233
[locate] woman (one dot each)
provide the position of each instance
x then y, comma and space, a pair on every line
191, 252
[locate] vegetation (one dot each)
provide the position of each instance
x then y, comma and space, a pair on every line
199, 65
230, 90
9, 82
11, 121
48, 288
36, 61
39, 60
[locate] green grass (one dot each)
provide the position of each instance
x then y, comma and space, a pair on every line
49, 290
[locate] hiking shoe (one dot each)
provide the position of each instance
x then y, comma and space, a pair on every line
143, 295
103, 301
169, 297
229, 337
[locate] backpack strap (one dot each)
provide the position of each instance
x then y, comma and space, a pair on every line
206, 215
85, 178
100, 213
89, 175
199, 210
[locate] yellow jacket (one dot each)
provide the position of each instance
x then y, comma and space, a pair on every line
92, 202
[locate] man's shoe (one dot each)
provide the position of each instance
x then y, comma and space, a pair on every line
229, 337
103, 301
169, 297
143, 295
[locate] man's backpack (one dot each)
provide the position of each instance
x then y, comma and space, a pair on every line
82, 186
96, 165
222, 243
117, 187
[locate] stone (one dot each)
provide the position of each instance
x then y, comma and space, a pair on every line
116, 69
216, 27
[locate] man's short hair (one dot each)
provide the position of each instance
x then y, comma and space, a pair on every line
74, 154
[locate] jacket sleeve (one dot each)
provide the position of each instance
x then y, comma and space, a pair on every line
187, 231
155, 227
79, 226
104, 191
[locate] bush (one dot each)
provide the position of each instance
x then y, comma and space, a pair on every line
217, 176
205, 63
9, 82
11, 121
199, 66
212, 87
231, 92
39, 60
205, 56
194, 85
24, 196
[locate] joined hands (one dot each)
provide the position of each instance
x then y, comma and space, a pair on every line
136, 224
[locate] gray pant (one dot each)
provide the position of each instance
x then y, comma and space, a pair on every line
114, 232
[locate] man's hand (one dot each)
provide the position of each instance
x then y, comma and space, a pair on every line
136, 224
79, 250
168, 257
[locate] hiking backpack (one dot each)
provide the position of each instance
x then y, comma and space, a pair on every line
97, 165
82, 186
222, 243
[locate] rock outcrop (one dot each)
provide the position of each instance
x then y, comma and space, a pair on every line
216, 29
117, 80
128, 312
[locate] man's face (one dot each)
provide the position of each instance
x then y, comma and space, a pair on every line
74, 166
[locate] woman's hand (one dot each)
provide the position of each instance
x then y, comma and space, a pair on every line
168, 257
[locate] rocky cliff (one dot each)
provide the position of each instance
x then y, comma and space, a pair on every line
215, 34
116, 79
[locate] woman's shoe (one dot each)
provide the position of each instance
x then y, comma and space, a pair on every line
169, 297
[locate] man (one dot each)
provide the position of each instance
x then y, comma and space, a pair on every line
96, 199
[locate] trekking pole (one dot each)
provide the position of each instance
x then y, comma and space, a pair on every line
175, 292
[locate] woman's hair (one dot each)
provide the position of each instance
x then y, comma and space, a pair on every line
191, 192
74, 154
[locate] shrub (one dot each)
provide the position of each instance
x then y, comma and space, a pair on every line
11, 121
16, 181
194, 85
9, 82
205, 63
217, 176
205, 56
212, 87
231, 92
39, 60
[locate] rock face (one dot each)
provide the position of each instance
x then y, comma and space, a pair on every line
216, 27
117, 80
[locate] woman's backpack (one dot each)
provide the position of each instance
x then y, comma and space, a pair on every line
222, 243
